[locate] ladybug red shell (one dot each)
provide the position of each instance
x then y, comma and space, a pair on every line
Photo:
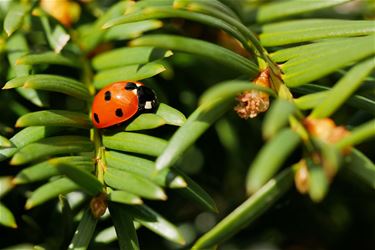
120, 101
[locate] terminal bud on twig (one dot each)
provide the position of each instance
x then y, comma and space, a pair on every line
98, 205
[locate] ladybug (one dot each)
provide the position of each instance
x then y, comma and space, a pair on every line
121, 101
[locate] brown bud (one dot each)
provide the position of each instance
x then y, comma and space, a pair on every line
253, 102
98, 205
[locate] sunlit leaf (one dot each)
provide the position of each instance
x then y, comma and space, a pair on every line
298, 31
50, 190
145, 121
170, 115
132, 72
47, 58
201, 48
6, 217
4, 142
282, 9
52, 146
26, 136
47, 169
133, 183
135, 143
131, 30
124, 197
51, 83
14, 18
361, 133
145, 168
342, 90
54, 118
128, 56
310, 62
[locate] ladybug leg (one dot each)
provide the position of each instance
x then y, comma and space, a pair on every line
147, 100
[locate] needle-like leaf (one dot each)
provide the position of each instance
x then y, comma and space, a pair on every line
52, 146
54, 118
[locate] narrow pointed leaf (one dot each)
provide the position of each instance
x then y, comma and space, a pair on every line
288, 32
357, 165
14, 18
17, 47
198, 5
84, 179
6, 217
37, 97
47, 58
54, 118
56, 35
51, 83
124, 197
320, 93
50, 190
343, 89
107, 235
197, 123
361, 133
145, 168
128, 56
170, 115
133, 183
131, 72
6, 185
201, 48
270, 159
277, 10
52, 146
135, 143
131, 30
26, 136
124, 226
4, 142
47, 169
84, 232
277, 117
248, 211
318, 182
196, 193
305, 68
196, 12
145, 121
155, 222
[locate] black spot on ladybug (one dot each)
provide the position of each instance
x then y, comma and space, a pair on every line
119, 112
131, 86
96, 118
107, 95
